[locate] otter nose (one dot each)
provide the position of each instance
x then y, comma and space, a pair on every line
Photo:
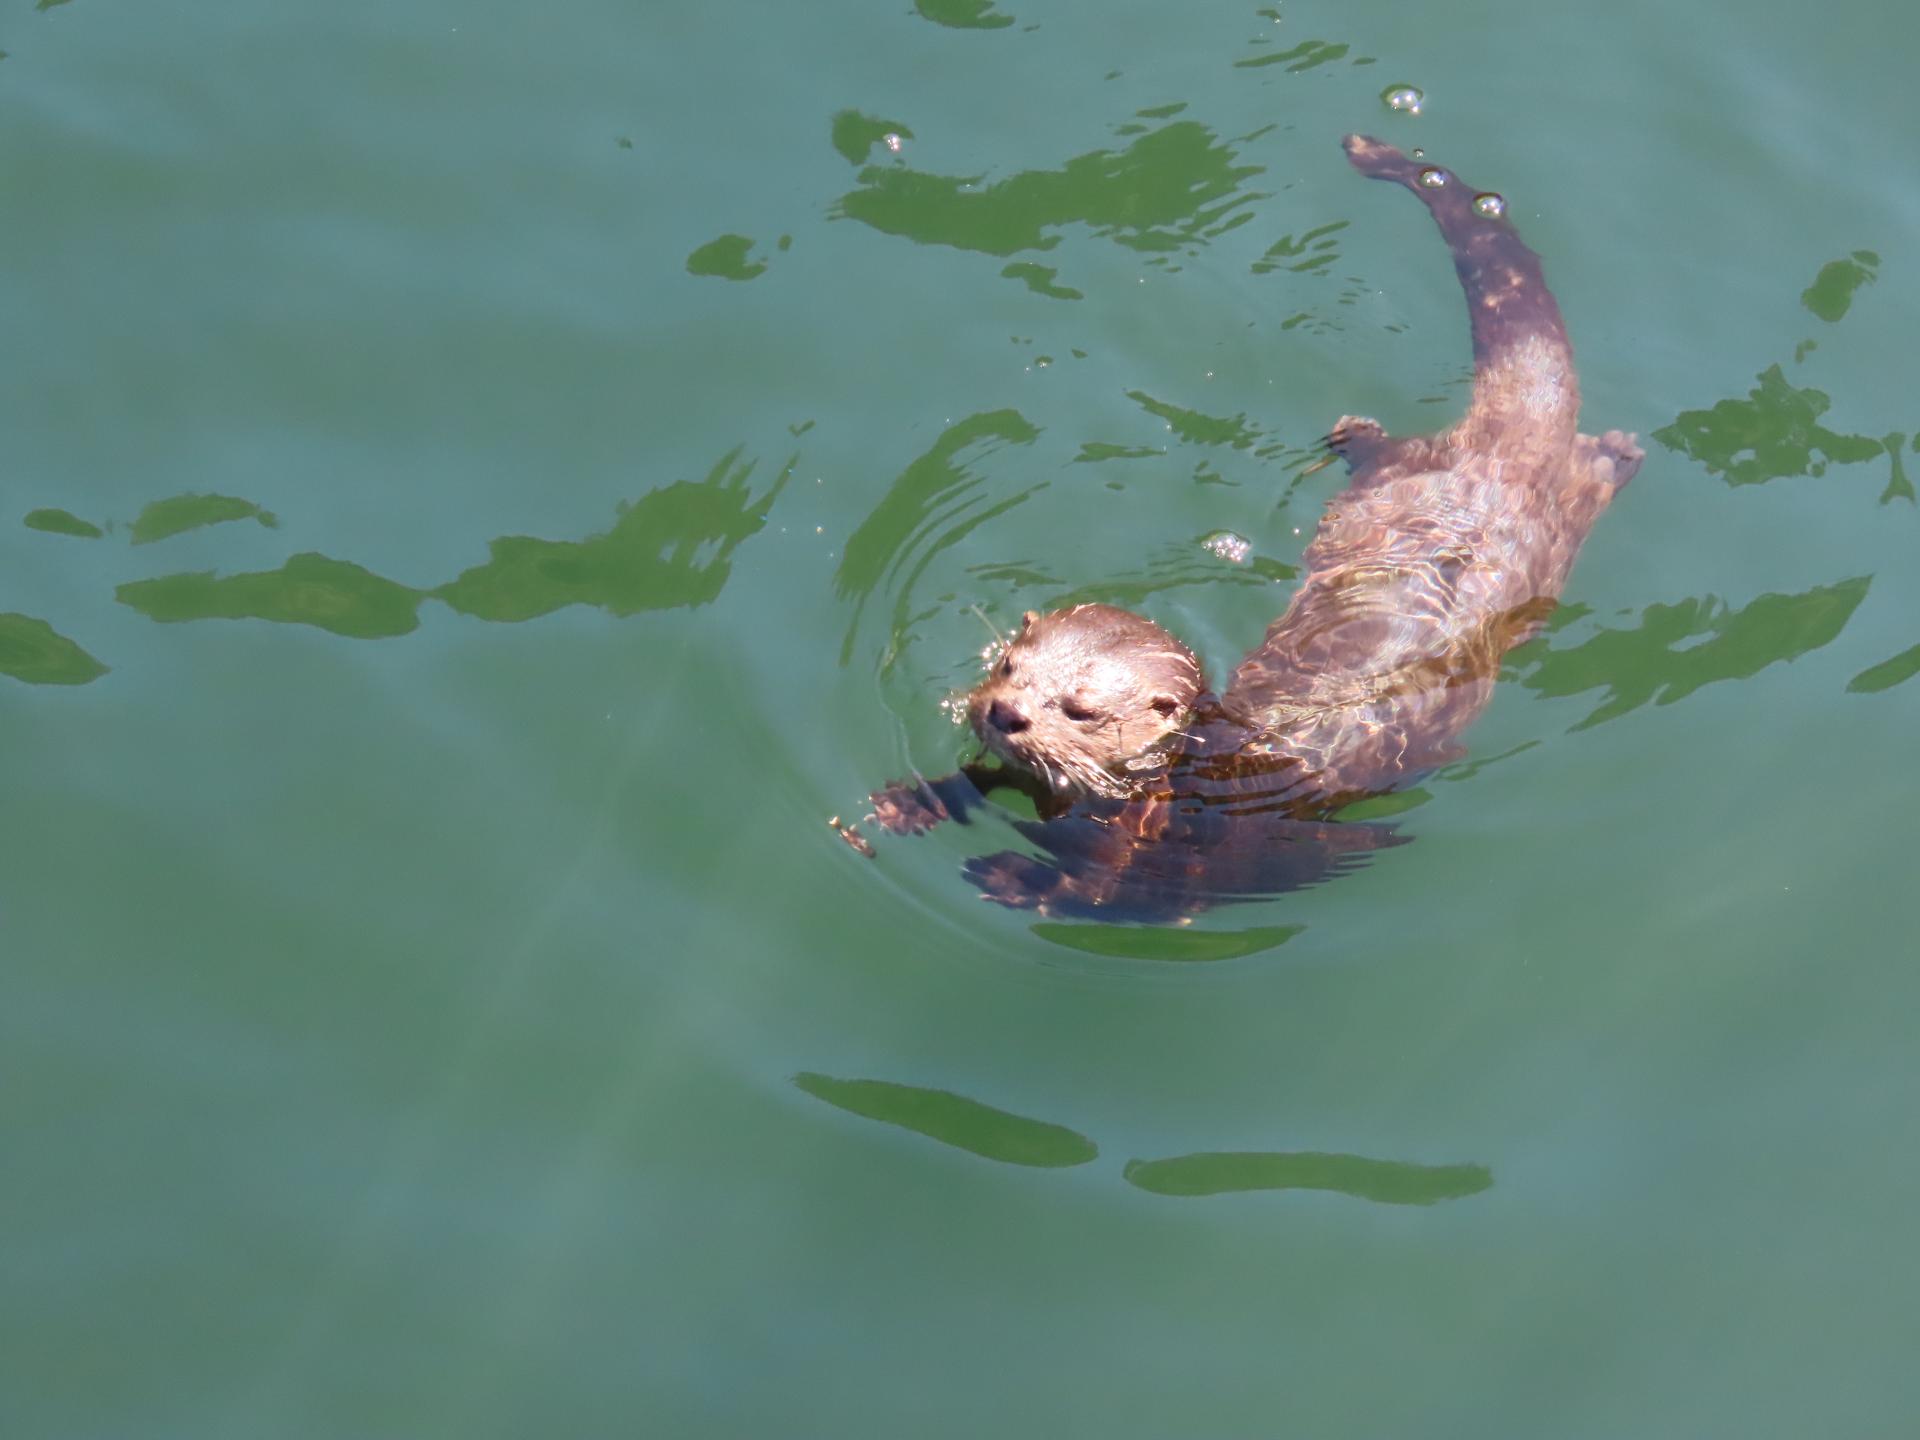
1006, 719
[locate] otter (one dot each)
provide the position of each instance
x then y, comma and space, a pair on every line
1443, 552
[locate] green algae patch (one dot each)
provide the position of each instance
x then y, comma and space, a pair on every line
1039, 279
1676, 649
33, 651
164, 518
855, 134
726, 259
1774, 432
1887, 674
1152, 942
310, 589
1385, 1182
1831, 294
954, 1120
673, 547
62, 522
963, 14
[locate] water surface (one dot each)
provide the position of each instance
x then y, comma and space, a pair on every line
488, 483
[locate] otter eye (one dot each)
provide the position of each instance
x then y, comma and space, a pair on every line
1164, 705
1006, 665
1074, 708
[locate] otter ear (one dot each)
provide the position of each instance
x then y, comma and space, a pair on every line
1028, 620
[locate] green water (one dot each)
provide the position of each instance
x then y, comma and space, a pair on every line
486, 483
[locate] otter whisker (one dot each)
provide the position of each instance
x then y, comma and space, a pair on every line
999, 640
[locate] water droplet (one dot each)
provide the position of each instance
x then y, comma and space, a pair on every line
892, 141
1490, 205
1407, 99
1228, 546
1433, 177
1418, 153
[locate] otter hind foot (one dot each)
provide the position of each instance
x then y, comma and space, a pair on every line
1371, 453
1613, 458
1357, 439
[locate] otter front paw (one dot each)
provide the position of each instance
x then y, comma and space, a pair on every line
907, 807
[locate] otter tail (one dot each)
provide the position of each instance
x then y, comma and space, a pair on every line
1523, 365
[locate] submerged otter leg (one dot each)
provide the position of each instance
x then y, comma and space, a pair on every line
1523, 365
1016, 881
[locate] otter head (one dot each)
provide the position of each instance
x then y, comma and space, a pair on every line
1083, 697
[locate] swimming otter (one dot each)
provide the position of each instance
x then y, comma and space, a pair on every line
1443, 552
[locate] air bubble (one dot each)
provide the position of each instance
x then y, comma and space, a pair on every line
1490, 205
1407, 99
1228, 546
1433, 177
1418, 153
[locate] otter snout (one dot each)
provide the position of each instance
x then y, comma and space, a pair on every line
1006, 718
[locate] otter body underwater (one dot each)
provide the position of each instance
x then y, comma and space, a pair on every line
1158, 798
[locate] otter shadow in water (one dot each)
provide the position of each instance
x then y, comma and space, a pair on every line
1157, 798
1223, 831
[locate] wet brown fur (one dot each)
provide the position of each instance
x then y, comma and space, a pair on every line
1444, 551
